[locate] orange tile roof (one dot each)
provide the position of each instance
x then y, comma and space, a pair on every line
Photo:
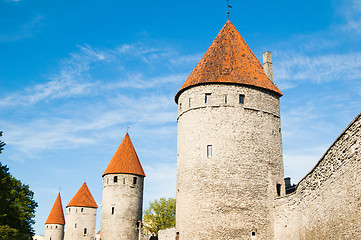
125, 160
83, 198
56, 215
229, 60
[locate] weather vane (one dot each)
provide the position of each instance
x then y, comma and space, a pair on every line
229, 7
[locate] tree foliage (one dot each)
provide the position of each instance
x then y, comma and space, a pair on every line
2, 144
17, 207
160, 214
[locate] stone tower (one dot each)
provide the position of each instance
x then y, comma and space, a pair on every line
229, 161
54, 225
81, 215
122, 194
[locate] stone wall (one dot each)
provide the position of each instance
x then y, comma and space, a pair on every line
54, 231
327, 201
230, 194
167, 234
77, 219
121, 206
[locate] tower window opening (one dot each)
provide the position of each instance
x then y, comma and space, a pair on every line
56, 226
123, 180
207, 98
189, 102
134, 180
241, 99
115, 179
107, 181
253, 233
85, 231
69, 209
180, 106
112, 210
225, 98
209, 151
82, 210
278, 186
75, 225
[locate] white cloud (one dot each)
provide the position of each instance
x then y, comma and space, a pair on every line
352, 14
292, 68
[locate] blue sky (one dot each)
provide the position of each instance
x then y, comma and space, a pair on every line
75, 74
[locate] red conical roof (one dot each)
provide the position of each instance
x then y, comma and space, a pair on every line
125, 160
83, 198
56, 215
229, 60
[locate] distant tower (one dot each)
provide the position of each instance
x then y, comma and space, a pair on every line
229, 162
54, 225
81, 215
122, 194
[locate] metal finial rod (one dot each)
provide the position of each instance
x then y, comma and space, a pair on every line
228, 8
128, 129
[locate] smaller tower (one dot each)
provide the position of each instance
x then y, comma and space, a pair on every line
81, 215
54, 225
122, 194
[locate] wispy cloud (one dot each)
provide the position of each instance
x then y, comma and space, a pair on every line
293, 68
26, 30
352, 14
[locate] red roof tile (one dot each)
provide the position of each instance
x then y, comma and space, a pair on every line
229, 60
125, 160
83, 198
56, 215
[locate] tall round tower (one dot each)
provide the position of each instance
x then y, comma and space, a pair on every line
229, 162
81, 215
122, 194
54, 225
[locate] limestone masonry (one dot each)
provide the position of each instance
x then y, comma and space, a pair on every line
230, 180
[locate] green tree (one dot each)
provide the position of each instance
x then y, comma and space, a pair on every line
160, 214
17, 206
2, 144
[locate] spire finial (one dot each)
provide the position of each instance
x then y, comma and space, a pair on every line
128, 129
228, 7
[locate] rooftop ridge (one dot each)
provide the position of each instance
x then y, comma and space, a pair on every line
229, 60
125, 160
83, 198
56, 215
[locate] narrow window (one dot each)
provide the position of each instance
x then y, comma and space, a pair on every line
278, 186
253, 234
50, 238
207, 98
76, 210
107, 180
82, 210
112, 210
180, 106
225, 98
69, 209
123, 180
56, 226
84, 231
209, 151
189, 102
241, 99
75, 225
115, 179
177, 236
134, 180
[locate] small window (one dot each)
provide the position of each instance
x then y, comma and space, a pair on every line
253, 234
76, 210
69, 209
75, 225
85, 231
278, 186
112, 210
225, 98
123, 180
82, 210
115, 179
241, 99
56, 226
134, 180
209, 151
180, 106
189, 102
207, 98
